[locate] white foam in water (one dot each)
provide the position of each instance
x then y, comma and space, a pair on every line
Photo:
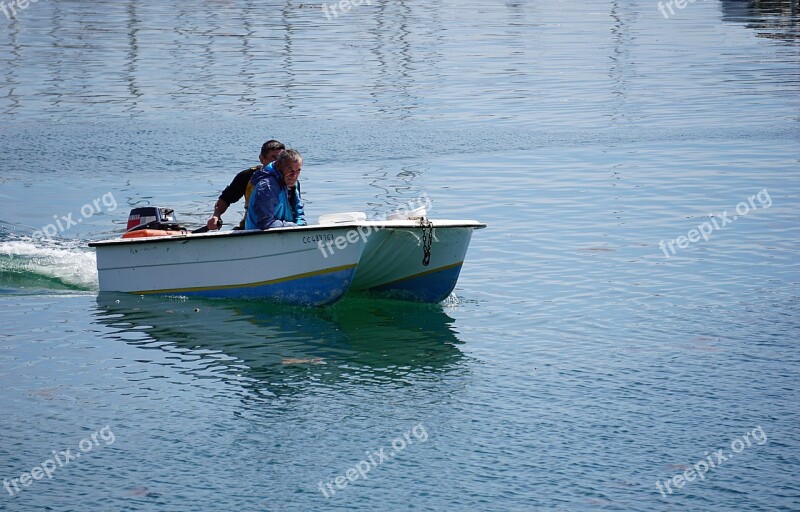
68, 261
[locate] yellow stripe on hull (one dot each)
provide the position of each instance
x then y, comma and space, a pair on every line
246, 285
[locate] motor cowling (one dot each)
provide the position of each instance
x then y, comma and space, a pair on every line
153, 217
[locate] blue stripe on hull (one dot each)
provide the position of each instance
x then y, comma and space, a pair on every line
317, 290
432, 287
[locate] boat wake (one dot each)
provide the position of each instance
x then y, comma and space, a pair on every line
27, 265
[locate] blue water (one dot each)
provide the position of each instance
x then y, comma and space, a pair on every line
582, 363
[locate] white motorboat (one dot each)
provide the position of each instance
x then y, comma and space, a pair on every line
282, 264
413, 259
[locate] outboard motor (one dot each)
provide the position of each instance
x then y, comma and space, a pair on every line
151, 217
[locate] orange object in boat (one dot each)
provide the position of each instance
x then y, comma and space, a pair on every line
141, 233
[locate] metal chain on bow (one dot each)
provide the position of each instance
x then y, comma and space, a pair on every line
427, 240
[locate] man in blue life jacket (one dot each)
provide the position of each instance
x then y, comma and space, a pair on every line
275, 201
240, 186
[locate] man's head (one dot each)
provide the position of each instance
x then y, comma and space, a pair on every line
289, 164
270, 151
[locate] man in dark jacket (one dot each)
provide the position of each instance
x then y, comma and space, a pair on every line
240, 186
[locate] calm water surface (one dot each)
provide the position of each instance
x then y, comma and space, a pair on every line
580, 363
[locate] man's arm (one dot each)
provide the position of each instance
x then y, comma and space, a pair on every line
230, 195
215, 220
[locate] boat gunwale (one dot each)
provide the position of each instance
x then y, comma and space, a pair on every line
384, 224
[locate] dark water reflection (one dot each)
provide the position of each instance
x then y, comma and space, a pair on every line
771, 19
275, 351
749, 10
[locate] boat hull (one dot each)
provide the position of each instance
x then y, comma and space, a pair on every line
283, 265
392, 262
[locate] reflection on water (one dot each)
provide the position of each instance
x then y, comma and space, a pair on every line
395, 60
772, 19
279, 351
